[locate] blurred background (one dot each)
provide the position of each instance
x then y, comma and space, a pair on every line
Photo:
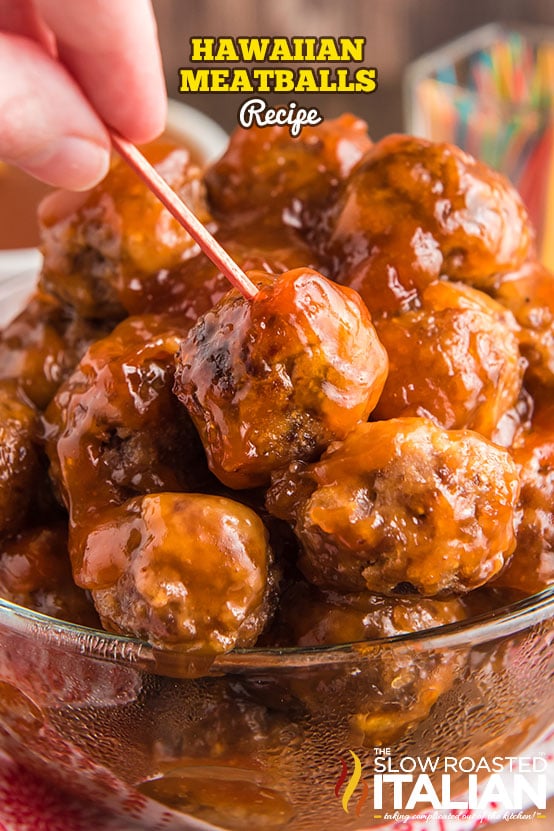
397, 32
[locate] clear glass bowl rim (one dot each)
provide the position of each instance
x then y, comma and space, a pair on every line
137, 654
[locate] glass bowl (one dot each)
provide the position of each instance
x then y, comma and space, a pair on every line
265, 739
259, 738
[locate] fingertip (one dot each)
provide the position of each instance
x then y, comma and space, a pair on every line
147, 123
73, 162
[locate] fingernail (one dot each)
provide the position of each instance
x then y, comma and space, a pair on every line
72, 163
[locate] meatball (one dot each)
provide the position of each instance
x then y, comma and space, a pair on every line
195, 286
410, 200
309, 616
182, 569
391, 277
469, 369
43, 344
531, 567
35, 572
266, 173
98, 246
529, 294
21, 471
402, 506
280, 377
115, 429
399, 684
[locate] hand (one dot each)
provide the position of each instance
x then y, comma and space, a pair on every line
64, 68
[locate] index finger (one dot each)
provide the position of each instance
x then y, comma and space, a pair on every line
111, 49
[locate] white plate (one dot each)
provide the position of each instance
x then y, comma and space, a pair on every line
15, 290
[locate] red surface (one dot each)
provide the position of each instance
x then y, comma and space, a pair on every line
27, 803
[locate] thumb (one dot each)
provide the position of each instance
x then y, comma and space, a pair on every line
47, 127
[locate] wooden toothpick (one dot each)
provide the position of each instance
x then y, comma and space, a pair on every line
184, 215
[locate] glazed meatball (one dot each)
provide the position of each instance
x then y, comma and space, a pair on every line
280, 377
98, 246
35, 572
531, 567
410, 200
455, 360
43, 344
402, 506
266, 173
529, 294
309, 616
392, 276
411, 503
399, 684
197, 284
21, 472
115, 429
183, 569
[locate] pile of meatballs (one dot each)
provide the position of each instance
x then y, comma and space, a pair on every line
364, 448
